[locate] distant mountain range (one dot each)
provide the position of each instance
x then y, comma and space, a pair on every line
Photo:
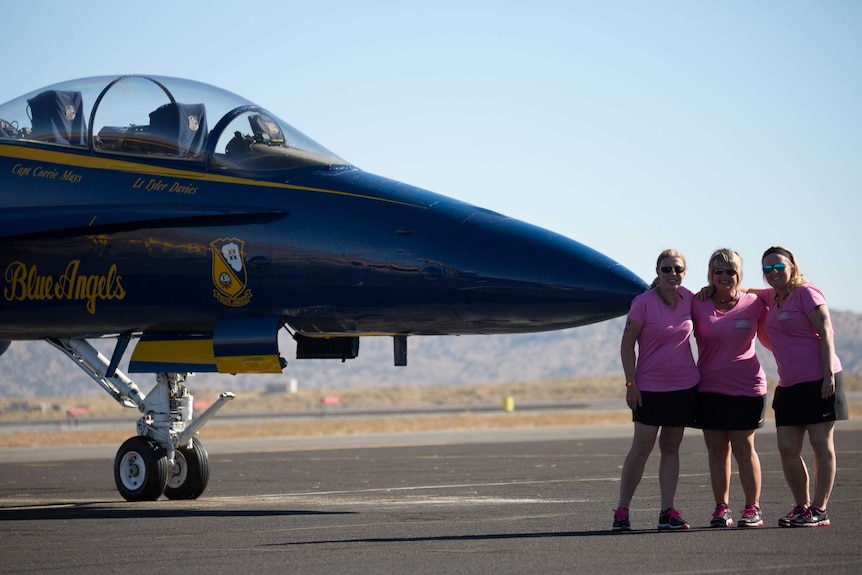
35, 369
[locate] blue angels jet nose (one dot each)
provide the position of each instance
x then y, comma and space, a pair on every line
542, 279
434, 265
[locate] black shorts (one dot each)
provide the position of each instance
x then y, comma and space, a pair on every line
667, 408
801, 404
736, 412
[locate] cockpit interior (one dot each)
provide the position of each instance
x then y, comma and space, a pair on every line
160, 119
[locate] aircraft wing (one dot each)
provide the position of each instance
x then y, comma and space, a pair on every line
59, 221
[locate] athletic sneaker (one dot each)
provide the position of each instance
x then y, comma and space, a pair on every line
751, 517
671, 519
794, 513
721, 516
621, 519
811, 517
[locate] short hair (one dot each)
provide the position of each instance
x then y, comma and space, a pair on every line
727, 258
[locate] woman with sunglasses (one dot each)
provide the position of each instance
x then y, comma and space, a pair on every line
661, 386
732, 390
810, 393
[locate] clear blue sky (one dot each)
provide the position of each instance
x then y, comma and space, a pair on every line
631, 126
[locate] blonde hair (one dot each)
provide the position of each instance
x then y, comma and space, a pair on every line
726, 258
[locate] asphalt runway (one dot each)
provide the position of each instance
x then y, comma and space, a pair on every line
500, 501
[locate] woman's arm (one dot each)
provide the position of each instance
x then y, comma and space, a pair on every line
763, 335
822, 323
629, 358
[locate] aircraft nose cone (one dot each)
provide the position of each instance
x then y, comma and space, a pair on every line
545, 280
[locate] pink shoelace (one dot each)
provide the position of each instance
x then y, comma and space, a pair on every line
750, 511
795, 512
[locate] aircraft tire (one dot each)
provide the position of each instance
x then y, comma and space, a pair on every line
190, 474
141, 469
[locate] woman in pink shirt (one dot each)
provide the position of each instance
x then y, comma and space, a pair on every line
661, 386
732, 389
810, 393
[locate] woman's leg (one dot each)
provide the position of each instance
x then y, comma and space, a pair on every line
668, 470
633, 468
718, 452
795, 472
748, 463
822, 442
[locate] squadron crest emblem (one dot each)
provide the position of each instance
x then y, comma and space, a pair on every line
229, 273
272, 128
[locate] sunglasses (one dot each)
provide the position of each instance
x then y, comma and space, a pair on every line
777, 267
668, 269
722, 271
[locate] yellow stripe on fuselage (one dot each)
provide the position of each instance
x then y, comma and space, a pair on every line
106, 163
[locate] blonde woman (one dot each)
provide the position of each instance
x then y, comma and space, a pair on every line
732, 389
810, 393
661, 386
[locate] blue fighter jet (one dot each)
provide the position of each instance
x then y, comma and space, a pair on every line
196, 224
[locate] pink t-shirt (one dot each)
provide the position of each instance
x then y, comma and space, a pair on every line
726, 354
795, 344
664, 359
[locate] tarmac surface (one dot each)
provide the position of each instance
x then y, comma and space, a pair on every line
493, 501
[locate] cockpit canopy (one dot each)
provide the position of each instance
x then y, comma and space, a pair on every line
160, 118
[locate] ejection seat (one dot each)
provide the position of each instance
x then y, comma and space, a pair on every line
179, 129
58, 117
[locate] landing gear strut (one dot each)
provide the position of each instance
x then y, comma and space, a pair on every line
165, 457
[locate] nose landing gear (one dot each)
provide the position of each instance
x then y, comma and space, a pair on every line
165, 457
